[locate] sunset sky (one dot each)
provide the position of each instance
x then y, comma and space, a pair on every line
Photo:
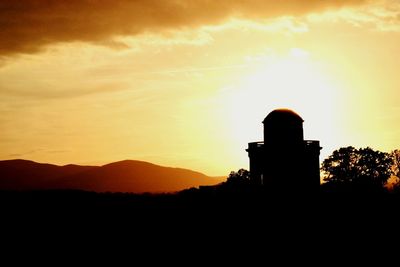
187, 83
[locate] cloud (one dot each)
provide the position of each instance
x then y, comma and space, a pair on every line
381, 15
33, 151
28, 26
48, 92
385, 15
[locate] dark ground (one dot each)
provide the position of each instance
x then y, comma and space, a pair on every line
259, 227
202, 205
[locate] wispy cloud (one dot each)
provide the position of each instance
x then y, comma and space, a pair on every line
48, 92
29, 153
26, 153
381, 15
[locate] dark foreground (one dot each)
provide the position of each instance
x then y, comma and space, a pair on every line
201, 225
201, 206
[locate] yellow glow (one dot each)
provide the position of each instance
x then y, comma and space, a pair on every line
293, 81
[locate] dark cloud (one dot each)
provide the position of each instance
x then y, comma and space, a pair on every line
26, 26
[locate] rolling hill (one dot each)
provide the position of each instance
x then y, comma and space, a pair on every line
123, 176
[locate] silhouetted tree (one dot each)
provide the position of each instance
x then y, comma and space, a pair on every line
240, 177
395, 154
357, 169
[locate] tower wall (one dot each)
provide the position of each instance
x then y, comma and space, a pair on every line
285, 161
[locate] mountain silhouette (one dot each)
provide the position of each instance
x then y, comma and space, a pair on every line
123, 176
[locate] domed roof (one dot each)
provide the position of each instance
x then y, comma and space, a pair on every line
282, 115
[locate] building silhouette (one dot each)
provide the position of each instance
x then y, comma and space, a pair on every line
285, 161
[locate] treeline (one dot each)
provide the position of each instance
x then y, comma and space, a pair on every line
347, 170
362, 170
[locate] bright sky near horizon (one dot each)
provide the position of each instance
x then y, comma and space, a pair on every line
187, 83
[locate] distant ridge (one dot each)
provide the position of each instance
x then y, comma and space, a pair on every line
122, 176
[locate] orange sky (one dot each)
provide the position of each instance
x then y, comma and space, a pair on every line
187, 83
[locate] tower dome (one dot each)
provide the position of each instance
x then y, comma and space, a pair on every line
283, 126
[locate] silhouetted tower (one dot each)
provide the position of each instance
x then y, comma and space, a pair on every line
285, 161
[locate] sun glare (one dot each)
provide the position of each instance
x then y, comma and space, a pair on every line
292, 81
